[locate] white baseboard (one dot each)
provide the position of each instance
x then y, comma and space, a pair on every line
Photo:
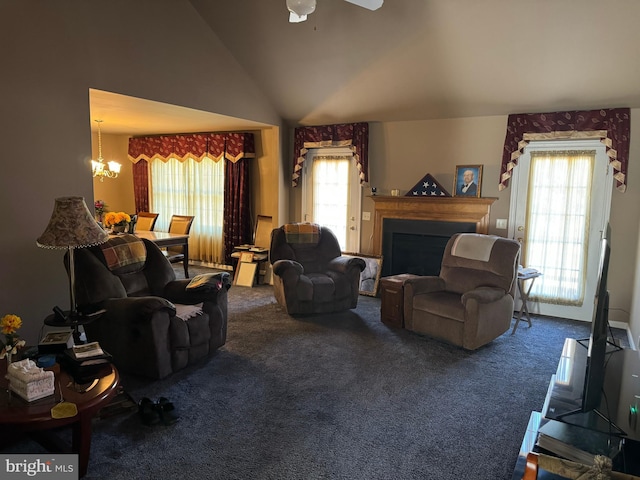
625, 326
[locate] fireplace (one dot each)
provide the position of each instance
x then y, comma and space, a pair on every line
412, 232
417, 246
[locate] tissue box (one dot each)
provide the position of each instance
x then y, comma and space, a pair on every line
30, 381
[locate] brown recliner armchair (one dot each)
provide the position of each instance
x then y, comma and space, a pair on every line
310, 273
471, 302
154, 324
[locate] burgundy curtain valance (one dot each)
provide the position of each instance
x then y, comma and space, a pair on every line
352, 135
611, 126
232, 146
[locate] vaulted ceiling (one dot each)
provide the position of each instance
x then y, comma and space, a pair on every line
434, 59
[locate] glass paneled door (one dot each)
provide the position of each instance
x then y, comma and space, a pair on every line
560, 199
331, 194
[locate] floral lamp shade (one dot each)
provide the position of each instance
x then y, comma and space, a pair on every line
71, 226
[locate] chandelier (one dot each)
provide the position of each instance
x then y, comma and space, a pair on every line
101, 169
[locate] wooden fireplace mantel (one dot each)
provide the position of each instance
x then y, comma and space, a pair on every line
443, 209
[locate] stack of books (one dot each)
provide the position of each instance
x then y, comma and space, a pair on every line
84, 361
577, 444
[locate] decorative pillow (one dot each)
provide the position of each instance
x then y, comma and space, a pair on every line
302, 233
124, 254
206, 282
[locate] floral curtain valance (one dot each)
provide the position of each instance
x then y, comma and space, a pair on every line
352, 135
232, 146
611, 126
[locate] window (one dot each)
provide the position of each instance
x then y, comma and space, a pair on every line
191, 188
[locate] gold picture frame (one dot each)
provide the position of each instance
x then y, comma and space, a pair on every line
467, 181
370, 276
245, 274
246, 257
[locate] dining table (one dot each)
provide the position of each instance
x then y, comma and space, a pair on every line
166, 239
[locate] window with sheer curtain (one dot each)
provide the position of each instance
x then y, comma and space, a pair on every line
191, 188
557, 225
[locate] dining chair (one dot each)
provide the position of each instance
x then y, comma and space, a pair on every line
178, 224
146, 221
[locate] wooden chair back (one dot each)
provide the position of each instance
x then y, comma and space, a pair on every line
181, 223
146, 221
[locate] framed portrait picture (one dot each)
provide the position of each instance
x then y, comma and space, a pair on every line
468, 181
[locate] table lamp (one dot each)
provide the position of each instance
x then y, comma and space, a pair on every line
71, 226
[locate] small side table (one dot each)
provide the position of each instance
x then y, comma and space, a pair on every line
523, 276
392, 299
18, 416
72, 320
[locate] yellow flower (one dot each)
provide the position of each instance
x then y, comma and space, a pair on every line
10, 324
116, 218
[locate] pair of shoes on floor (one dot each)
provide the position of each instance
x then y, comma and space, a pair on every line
152, 413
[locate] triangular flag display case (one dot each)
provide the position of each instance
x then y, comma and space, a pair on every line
428, 187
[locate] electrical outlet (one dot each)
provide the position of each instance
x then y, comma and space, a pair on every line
366, 215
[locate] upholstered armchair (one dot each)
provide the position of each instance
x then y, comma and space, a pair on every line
310, 273
154, 324
471, 302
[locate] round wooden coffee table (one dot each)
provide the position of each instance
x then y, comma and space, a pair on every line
19, 416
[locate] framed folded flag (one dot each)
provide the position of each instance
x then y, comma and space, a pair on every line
428, 187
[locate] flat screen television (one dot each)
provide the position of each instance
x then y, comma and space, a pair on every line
598, 342
598, 350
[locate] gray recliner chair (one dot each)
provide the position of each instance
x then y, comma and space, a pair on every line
310, 275
154, 324
471, 302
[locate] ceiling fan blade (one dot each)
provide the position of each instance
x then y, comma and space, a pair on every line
368, 4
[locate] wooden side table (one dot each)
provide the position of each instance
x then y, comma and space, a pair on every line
392, 299
19, 416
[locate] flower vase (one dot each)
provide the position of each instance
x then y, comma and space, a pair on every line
118, 228
9, 357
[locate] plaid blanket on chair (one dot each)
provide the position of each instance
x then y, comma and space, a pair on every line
124, 251
302, 233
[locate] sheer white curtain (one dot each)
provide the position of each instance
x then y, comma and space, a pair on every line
331, 193
191, 188
557, 226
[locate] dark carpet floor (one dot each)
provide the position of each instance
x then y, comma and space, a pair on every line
338, 396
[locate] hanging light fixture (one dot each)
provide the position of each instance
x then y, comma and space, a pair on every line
299, 9
101, 169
